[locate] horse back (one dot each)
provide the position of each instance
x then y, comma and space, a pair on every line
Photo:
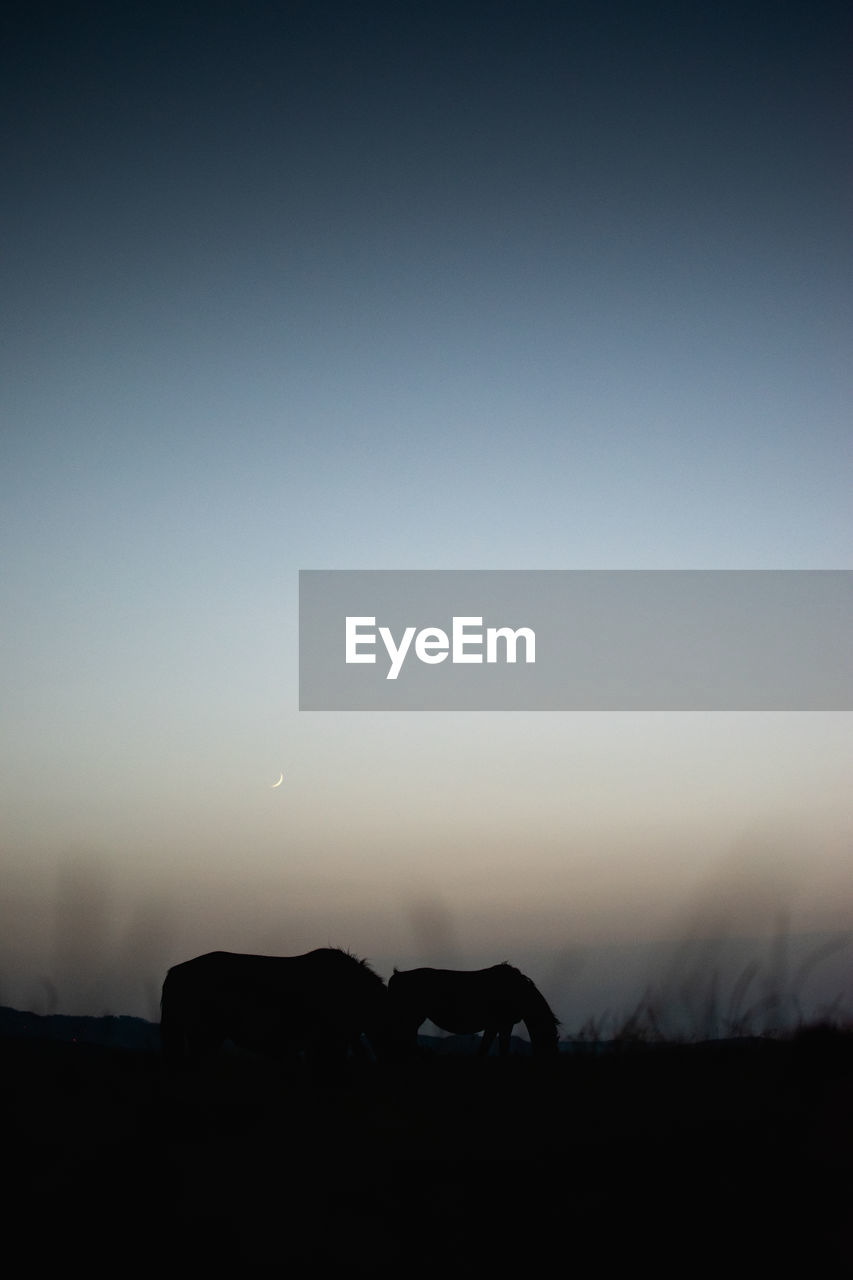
324, 997
462, 1001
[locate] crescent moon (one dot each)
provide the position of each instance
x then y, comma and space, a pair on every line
277, 784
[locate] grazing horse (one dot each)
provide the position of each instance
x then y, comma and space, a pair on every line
319, 1004
488, 1000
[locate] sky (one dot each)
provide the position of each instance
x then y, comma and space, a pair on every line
411, 286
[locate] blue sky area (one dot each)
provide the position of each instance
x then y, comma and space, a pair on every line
373, 286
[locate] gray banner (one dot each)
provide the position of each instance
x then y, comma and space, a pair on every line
585, 640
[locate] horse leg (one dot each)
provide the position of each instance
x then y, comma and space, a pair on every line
487, 1040
505, 1040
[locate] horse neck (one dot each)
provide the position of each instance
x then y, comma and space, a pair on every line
539, 1020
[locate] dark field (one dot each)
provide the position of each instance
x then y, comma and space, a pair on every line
736, 1153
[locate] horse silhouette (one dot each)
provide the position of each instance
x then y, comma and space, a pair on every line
317, 1004
488, 1000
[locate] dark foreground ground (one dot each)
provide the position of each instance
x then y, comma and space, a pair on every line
730, 1154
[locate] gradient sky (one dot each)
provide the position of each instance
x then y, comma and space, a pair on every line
421, 285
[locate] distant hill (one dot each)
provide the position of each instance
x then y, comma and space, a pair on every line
125, 1032
122, 1032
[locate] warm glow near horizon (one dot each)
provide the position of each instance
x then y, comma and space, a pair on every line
547, 290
